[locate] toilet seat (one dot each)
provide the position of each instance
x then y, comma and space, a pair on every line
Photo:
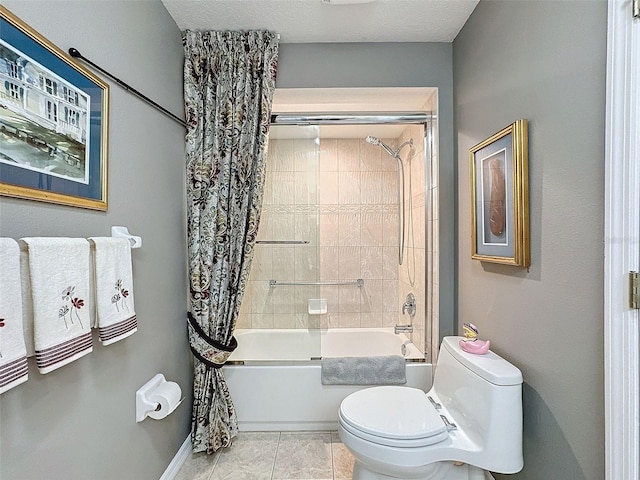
392, 416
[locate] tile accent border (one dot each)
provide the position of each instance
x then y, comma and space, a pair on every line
336, 208
178, 460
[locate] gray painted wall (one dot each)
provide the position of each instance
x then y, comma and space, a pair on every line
391, 65
78, 422
544, 61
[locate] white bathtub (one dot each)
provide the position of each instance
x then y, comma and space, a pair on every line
274, 377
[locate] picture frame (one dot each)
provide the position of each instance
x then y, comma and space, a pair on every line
54, 119
500, 197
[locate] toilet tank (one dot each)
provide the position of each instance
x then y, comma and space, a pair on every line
482, 395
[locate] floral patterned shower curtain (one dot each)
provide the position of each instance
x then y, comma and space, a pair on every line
229, 80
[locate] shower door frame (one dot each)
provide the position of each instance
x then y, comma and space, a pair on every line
428, 120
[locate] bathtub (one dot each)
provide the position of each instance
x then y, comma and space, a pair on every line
274, 374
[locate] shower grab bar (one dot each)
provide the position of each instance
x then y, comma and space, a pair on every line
358, 283
283, 242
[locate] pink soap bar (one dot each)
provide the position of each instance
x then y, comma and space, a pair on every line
477, 347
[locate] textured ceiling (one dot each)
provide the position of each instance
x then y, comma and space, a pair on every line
311, 21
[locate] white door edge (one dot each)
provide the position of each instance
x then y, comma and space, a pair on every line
622, 246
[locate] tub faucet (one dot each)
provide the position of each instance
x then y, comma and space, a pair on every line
402, 329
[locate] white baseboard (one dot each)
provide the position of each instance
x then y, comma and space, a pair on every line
181, 456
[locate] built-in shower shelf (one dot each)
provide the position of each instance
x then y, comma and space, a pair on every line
282, 242
356, 283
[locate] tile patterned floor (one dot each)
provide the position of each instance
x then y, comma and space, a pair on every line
273, 456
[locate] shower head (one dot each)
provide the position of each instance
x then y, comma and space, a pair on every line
395, 154
372, 140
376, 141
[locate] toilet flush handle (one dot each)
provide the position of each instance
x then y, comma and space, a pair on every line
450, 426
435, 404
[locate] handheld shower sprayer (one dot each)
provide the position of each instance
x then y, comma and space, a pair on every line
377, 141
401, 219
394, 153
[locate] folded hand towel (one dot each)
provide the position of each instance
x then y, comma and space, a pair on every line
113, 280
59, 276
13, 353
382, 370
27, 303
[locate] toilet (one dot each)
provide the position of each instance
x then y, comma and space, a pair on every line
470, 421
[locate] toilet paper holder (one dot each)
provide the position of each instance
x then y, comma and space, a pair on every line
145, 405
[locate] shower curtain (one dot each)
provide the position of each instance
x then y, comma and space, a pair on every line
229, 80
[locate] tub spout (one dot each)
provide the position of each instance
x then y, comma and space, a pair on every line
402, 329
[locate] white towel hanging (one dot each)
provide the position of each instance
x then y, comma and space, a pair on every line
13, 353
113, 280
59, 280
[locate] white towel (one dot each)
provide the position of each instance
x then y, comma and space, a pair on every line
27, 303
59, 281
113, 280
13, 353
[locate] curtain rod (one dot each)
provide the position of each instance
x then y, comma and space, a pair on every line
76, 54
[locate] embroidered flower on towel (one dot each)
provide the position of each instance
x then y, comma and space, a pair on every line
121, 296
1, 325
67, 292
62, 313
76, 304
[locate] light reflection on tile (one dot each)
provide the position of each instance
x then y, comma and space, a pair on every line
303, 455
251, 457
198, 466
349, 187
328, 155
342, 459
348, 154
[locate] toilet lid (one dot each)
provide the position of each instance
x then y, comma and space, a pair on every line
393, 413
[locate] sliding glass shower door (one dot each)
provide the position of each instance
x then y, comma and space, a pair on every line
329, 234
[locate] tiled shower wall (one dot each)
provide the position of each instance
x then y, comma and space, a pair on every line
358, 232
341, 197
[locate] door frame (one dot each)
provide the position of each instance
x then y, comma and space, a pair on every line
622, 246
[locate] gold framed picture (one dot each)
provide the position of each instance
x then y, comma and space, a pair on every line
53, 122
500, 197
